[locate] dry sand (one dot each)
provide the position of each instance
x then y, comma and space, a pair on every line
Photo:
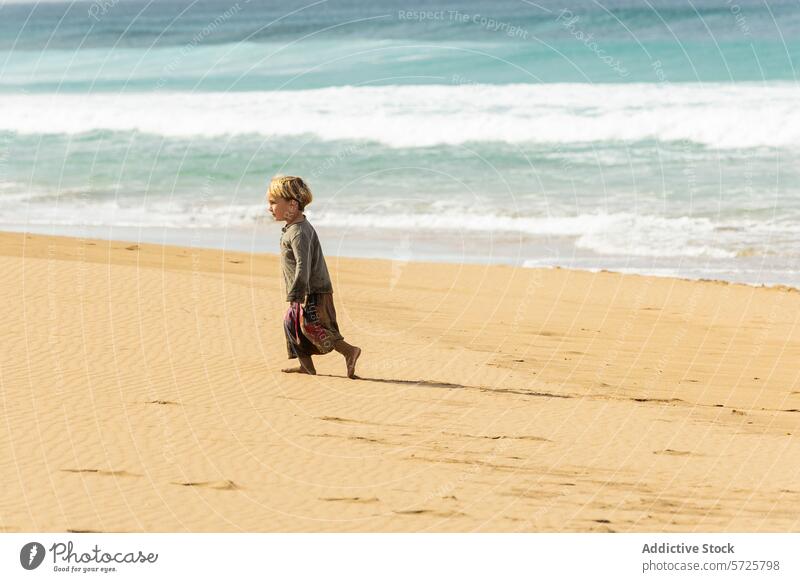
140, 392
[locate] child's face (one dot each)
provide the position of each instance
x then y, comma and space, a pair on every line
282, 209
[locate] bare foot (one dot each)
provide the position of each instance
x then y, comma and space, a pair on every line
297, 370
351, 360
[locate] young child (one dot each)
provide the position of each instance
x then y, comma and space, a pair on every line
310, 322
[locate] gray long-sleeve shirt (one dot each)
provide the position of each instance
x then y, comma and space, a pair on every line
302, 262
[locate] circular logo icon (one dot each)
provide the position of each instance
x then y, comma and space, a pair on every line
31, 555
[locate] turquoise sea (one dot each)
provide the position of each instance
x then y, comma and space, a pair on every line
640, 136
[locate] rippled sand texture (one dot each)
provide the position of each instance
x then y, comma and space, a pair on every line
141, 392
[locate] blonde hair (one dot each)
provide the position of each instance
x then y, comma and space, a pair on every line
290, 188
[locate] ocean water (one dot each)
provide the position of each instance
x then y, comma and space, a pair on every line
654, 137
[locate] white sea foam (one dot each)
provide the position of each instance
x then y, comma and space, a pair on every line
620, 233
723, 116
606, 234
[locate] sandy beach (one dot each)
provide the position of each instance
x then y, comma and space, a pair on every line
141, 393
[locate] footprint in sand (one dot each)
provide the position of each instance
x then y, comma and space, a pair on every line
446, 514
674, 453
658, 400
498, 437
226, 485
351, 499
102, 472
351, 438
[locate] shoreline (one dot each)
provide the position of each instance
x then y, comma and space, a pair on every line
248, 241
141, 392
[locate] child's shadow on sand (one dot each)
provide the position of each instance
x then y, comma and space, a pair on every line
414, 382
433, 384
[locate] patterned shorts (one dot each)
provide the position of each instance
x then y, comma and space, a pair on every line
311, 328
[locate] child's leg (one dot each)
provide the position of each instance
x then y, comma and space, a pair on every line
306, 367
351, 355
296, 344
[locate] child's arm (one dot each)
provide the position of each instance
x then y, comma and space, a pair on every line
301, 247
